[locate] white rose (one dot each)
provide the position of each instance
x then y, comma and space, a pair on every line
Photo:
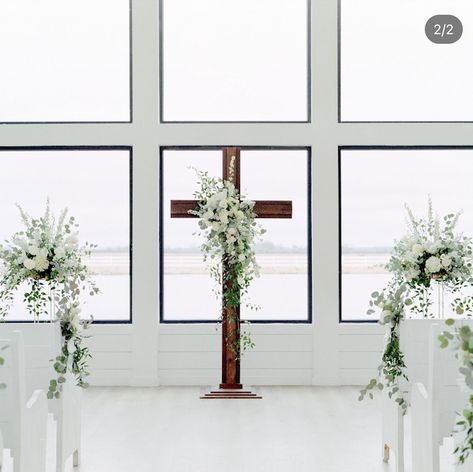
433, 265
59, 252
446, 261
33, 250
211, 203
241, 257
43, 253
29, 263
417, 249
223, 203
215, 226
454, 255
231, 231
40, 263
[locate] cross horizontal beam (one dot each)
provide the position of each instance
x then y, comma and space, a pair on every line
263, 208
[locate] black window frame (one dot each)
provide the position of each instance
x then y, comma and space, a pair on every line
162, 208
128, 321
340, 210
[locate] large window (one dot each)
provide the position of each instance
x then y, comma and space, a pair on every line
65, 61
374, 186
391, 71
235, 61
94, 184
283, 290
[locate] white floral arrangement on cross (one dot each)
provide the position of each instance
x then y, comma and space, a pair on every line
228, 223
431, 253
46, 256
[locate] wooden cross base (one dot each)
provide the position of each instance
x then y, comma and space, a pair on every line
233, 394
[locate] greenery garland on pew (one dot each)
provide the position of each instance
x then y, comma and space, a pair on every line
46, 256
392, 302
462, 341
228, 224
432, 253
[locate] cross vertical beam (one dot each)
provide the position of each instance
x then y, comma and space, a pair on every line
230, 314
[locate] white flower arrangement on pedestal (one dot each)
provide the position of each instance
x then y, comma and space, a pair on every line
46, 256
432, 253
229, 226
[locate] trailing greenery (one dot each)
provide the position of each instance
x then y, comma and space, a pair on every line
228, 224
47, 258
462, 341
73, 356
391, 302
431, 254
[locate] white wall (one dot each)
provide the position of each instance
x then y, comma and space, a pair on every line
146, 353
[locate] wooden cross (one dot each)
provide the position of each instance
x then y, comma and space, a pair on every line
231, 386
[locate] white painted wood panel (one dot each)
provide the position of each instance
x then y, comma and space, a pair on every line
213, 343
359, 360
361, 342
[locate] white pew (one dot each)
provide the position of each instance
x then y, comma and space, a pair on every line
42, 345
415, 339
392, 431
1, 451
23, 417
435, 405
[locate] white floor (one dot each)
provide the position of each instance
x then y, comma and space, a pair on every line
297, 429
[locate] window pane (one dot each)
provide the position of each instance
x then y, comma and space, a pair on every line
95, 187
184, 269
375, 184
390, 71
64, 61
282, 290
235, 61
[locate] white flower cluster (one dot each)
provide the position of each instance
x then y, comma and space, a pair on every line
39, 254
230, 230
433, 253
44, 252
231, 227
